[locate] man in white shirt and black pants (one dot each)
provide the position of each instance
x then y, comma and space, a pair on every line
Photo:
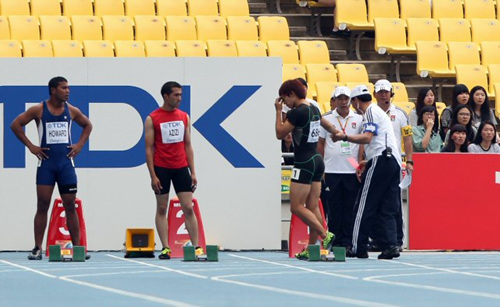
341, 180
380, 180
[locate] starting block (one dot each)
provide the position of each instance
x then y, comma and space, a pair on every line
212, 254
77, 253
317, 254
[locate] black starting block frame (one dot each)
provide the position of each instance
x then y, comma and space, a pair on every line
212, 254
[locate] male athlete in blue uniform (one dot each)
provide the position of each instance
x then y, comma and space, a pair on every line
53, 118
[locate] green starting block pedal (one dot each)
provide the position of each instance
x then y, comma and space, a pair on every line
79, 253
56, 254
212, 254
317, 254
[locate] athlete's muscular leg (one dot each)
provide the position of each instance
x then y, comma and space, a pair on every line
72, 220
44, 195
161, 218
186, 200
312, 204
299, 194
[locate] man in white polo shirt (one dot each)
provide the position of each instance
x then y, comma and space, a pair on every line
340, 174
379, 189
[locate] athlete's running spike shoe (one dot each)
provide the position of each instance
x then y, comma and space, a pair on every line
328, 241
165, 253
199, 251
303, 255
36, 254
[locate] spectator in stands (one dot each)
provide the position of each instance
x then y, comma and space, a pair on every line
479, 104
463, 116
287, 147
341, 179
383, 93
460, 96
486, 139
458, 139
425, 97
303, 121
426, 135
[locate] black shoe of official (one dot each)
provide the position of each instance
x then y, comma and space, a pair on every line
391, 252
373, 247
350, 254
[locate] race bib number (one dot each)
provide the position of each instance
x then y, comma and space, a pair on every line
313, 132
295, 173
57, 132
172, 132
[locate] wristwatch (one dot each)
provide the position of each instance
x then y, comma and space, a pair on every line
345, 138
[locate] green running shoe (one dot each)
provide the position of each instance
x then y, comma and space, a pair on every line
303, 255
165, 253
328, 241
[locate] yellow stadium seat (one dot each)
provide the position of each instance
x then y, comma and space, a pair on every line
37, 49
98, 49
369, 85
463, 53
191, 48
432, 60
421, 29
273, 28
221, 48
86, 28
242, 28
319, 73
493, 77
171, 8
489, 53
129, 49
149, 28
400, 92
447, 9
67, 48
77, 7
45, 7
4, 28
415, 9
497, 99
117, 28
454, 30
352, 73
210, 28
14, 7
108, 7
251, 48
202, 8
407, 106
156, 48
287, 50
440, 106
390, 36
293, 71
180, 28
139, 7
55, 27
233, 8
472, 75
10, 49
24, 27
324, 91
352, 14
485, 30
479, 9
382, 9
313, 52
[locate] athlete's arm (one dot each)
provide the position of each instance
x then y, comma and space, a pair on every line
282, 128
150, 150
190, 152
321, 146
33, 113
328, 126
85, 123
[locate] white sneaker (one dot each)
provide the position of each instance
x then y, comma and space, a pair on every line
302, 3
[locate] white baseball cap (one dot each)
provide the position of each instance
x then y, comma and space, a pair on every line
360, 90
383, 85
341, 90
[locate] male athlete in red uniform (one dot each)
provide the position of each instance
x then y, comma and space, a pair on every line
169, 157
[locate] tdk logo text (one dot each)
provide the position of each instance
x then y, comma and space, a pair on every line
14, 99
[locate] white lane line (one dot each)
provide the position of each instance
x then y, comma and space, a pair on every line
295, 267
447, 270
311, 295
103, 288
159, 267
